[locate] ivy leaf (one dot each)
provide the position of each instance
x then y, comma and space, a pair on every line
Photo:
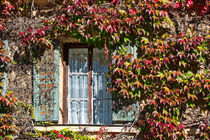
139, 93
161, 75
126, 40
192, 96
189, 74
182, 63
167, 89
131, 93
191, 104
144, 40
165, 112
202, 59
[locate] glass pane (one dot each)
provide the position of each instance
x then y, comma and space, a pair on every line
78, 60
102, 111
78, 86
126, 113
78, 113
102, 102
99, 86
100, 64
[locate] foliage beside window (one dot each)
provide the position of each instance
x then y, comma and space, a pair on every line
7, 127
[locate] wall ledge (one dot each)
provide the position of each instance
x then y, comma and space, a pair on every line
89, 128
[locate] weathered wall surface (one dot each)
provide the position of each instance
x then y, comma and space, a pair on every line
185, 20
192, 117
19, 76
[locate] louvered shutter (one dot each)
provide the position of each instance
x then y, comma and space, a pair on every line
132, 49
46, 86
127, 113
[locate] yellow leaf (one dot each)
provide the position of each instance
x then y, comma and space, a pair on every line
166, 89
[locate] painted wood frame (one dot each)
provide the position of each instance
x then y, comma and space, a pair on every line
66, 48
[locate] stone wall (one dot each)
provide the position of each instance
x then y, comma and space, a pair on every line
19, 75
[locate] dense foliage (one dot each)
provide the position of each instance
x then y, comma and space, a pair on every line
171, 70
61, 134
7, 102
167, 77
7, 127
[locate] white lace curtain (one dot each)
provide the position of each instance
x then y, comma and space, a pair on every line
78, 88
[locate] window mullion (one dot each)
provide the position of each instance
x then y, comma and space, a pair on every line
90, 85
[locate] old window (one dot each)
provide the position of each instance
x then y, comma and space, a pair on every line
85, 98
88, 101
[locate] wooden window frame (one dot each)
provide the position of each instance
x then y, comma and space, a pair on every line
66, 48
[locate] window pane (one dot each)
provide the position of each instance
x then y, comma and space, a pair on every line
102, 111
78, 113
78, 86
78, 60
126, 113
102, 102
100, 64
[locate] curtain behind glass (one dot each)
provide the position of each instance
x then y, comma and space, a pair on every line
78, 86
102, 101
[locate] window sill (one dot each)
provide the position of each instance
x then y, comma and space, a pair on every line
94, 129
87, 128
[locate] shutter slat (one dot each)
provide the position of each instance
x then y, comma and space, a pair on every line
127, 114
46, 86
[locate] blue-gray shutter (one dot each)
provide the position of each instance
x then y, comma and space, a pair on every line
3, 72
127, 113
46, 87
132, 49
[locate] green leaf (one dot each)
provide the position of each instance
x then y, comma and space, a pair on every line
191, 104
126, 40
183, 63
165, 112
144, 40
9, 136
202, 59
131, 93
179, 79
139, 71
189, 74
139, 93
161, 75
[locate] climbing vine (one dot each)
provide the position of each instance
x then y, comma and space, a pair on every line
171, 71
